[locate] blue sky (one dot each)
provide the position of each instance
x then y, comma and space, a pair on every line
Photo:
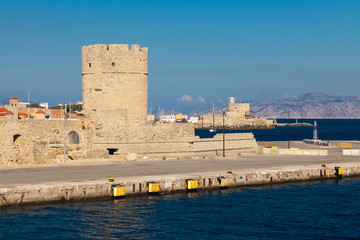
200, 52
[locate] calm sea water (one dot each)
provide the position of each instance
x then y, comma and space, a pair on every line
334, 129
316, 210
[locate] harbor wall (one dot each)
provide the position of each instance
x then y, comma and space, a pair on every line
133, 186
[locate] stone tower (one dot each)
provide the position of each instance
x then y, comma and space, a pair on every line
14, 108
115, 85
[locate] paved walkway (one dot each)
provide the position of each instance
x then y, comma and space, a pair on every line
117, 168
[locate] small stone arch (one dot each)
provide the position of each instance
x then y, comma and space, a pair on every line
73, 138
15, 137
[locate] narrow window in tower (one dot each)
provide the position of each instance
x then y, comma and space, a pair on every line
89, 64
107, 48
113, 64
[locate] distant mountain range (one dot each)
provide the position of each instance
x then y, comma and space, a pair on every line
307, 105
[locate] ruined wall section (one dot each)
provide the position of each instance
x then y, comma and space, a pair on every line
115, 86
39, 141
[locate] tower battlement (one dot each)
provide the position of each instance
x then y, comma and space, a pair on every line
114, 58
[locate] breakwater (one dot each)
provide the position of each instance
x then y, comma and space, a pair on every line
16, 195
333, 129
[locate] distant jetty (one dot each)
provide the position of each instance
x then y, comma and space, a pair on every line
241, 127
294, 124
258, 126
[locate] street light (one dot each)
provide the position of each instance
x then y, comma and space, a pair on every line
65, 133
223, 132
302, 132
202, 121
328, 133
288, 110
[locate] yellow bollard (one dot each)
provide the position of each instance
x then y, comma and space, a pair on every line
192, 185
153, 188
339, 172
224, 183
118, 191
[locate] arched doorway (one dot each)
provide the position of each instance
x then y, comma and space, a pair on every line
73, 138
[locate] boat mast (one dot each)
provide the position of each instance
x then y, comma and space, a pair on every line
213, 116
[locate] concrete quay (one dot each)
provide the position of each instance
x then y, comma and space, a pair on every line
86, 181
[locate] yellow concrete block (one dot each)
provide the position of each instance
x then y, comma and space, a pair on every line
273, 147
154, 187
192, 184
118, 191
224, 182
344, 145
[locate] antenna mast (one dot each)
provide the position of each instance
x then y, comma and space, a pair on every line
28, 115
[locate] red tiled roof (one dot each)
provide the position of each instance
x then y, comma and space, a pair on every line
15, 98
6, 113
23, 114
40, 111
3, 110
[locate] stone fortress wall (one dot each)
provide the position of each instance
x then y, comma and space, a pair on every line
238, 110
237, 116
113, 122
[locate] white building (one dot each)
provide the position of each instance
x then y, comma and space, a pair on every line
193, 120
167, 118
23, 104
44, 105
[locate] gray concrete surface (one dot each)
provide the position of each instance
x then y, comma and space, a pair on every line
117, 168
